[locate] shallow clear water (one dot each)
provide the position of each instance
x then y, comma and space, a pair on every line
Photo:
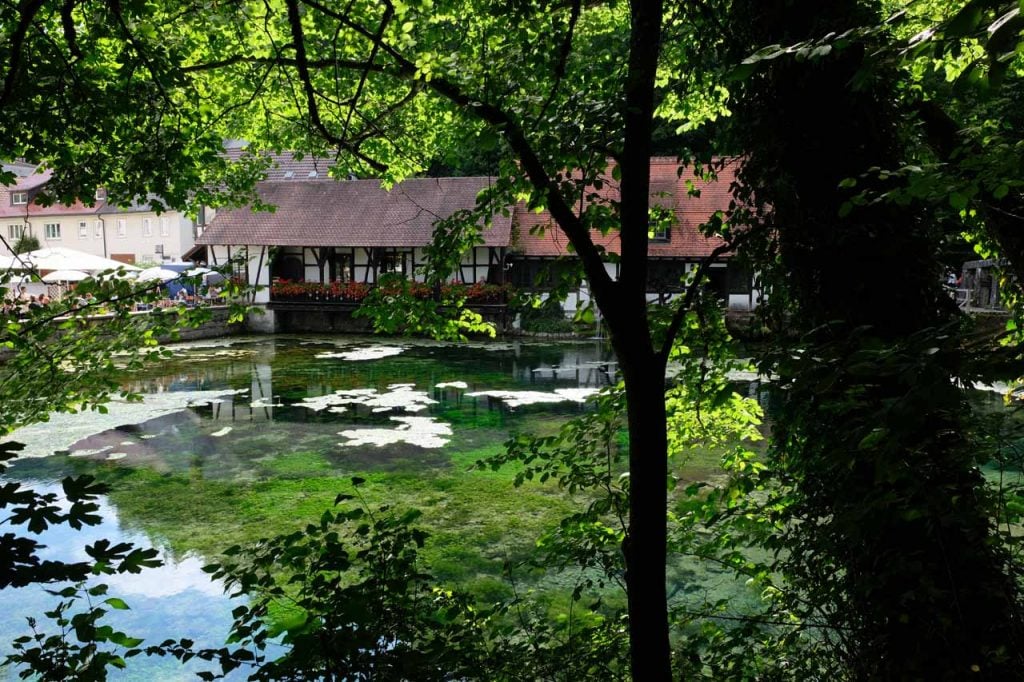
245, 409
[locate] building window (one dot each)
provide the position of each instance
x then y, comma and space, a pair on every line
147, 228
99, 229
83, 230
19, 198
52, 230
15, 231
661, 219
122, 227
165, 227
101, 194
390, 262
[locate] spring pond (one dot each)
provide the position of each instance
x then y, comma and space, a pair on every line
245, 437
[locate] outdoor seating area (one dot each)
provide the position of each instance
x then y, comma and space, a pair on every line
44, 277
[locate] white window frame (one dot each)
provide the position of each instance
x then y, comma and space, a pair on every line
101, 194
98, 230
15, 230
52, 231
19, 198
661, 235
147, 227
165, 227
83, 230
122, 228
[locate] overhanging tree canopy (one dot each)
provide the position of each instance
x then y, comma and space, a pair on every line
137, 97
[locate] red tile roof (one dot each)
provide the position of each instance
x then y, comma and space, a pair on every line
668, 189
352, 213
30, 184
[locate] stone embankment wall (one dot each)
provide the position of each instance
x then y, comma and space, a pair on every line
217, 326
328, 318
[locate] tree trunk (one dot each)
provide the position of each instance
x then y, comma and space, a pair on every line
890, 536
645, 545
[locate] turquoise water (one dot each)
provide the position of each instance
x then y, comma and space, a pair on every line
236, 410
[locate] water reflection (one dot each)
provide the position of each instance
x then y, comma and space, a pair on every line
243, 410
176, 599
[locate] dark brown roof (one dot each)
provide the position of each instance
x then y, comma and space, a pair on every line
668, 189
352, 213
284, 166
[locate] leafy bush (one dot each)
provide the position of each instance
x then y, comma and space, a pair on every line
399, 306
26, 243
547, 319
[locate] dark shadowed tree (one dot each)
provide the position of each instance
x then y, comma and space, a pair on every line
890, 536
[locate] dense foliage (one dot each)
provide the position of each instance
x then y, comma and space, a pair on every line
870, 148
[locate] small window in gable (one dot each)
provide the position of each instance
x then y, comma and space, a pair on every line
660, 226
19, 198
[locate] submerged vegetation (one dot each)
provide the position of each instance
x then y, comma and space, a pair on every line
876, 535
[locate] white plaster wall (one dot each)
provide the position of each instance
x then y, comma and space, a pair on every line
177, 240
69, 237
171, 230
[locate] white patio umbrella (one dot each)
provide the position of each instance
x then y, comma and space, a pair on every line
118, 274
157, 274
208, 276
65, 276
60, 258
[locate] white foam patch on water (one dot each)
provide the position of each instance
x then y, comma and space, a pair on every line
452, 384
88, 453
999, 387
116, 455
64, 430
371, 353
400, 397
265, 402
425, 432
518, 398
223, 432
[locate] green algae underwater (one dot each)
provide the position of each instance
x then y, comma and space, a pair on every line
247, 437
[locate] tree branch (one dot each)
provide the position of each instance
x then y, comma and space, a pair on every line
693, 289
563, 56
301, 63
68, 23
28, 11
